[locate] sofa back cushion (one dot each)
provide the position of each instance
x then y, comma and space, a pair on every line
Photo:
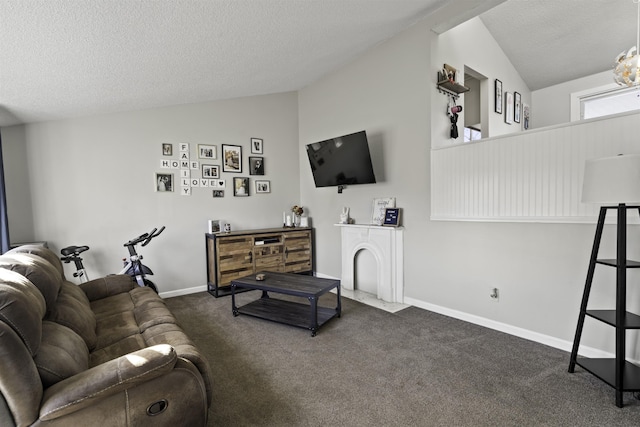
22, 308
74, 312
62, 354
42, 252
39, 272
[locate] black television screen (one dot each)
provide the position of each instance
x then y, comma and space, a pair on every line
341, 161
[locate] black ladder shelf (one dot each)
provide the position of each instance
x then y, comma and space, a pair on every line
620, 374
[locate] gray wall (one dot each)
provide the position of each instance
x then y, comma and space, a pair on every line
92, 181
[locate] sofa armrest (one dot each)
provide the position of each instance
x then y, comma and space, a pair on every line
107, 286
88, 387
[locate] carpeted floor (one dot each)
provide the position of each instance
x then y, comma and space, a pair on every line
373, 368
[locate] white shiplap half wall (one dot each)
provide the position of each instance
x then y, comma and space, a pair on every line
533, 176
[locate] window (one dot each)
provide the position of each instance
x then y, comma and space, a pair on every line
614, 101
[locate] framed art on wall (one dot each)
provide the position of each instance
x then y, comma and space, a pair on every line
164, 182
241, 187
498, 96
256, 146
232, 158
210, 171
517, 102
256, 165
508, 103
167, 149
207, 151
263, 186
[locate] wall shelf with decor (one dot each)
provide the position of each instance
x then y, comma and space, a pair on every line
447, 83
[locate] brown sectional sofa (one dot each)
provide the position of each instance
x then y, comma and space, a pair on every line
104, 353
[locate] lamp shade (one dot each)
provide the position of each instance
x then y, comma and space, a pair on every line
612, 180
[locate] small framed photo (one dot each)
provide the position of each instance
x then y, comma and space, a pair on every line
207, 151
263, 186
232, 158
517, 102
218, 193
498, 96
256, 146
391, 217
164, 182
211, 171
256, 165
214, 226
167, 149
240, 187
508, 104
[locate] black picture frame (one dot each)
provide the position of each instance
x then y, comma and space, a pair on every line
498, 97
241, 187
517, 103
231, 158
391, 217
256, 165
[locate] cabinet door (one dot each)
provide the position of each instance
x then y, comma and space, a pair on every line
269, 258
235, 258
297, 251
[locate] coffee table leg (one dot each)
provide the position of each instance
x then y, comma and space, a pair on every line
339, 306
313, 302
234, 309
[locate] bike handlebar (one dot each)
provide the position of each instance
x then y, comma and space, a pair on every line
145, 238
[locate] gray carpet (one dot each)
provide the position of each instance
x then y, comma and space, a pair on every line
373, 368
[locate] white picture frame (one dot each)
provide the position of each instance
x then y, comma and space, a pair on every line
379, 207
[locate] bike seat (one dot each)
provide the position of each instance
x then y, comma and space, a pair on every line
73, 250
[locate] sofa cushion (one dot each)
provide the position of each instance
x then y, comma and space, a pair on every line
119, 348
42, 252
75, 315
22, 308
39, 272
62, 354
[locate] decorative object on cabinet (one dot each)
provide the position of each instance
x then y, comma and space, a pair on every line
214, 225
241, 253
256, 146
241, 187
498, 96
263, 186
164, 182
256, 165
378, 210
231, 158
614, 181
517, 103
207, 151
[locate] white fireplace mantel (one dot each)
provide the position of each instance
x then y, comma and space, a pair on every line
386, 245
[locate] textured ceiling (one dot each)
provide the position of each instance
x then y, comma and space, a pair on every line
69, 58
65, 58
553, 41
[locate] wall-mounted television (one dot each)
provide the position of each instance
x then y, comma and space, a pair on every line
341, 161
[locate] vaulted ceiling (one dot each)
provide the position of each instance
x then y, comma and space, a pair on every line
68, 58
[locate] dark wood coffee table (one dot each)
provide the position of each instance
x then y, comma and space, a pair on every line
308, 316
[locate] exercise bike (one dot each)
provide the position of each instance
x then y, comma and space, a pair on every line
132, 267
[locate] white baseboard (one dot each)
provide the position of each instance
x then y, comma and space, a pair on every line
509, 329
179, 292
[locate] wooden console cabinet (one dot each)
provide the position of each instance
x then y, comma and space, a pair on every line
240, 253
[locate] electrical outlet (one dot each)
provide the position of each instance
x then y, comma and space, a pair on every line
494, 294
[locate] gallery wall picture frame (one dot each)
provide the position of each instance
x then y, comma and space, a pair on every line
517, 102
211, 171
263, 186
508, 104
164, 182
498, 96
526, 115
231, 158
241, 187
256, 165
167, 149
257, 146
206, 151
218, 193
378, 210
